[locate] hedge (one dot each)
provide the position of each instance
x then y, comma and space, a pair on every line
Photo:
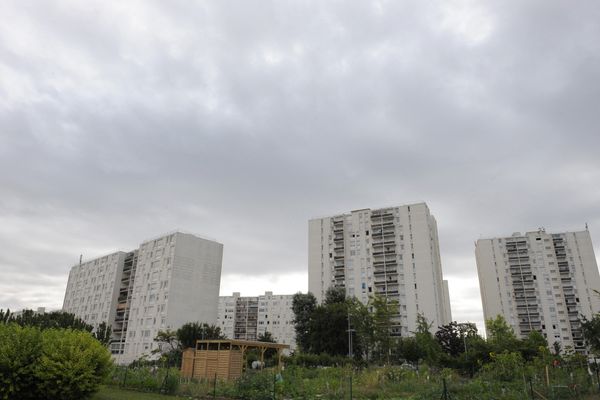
50, 364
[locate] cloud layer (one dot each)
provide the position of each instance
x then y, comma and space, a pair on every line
240, 121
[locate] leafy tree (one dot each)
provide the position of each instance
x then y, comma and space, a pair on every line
500, 335
328, 329
103, 333
55, 319
334, 295
191, 332
557, 348
534, 345
168, 347
409, 350
453, 337
591, 333
383, 312
450, 339
361, 320
303, 306
266, 337
167, 340
4, 316
426, 341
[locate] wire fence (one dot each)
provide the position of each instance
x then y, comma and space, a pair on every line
548, 382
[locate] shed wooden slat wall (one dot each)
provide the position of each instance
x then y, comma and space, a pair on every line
220, 359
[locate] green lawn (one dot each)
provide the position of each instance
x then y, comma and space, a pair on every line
112, 393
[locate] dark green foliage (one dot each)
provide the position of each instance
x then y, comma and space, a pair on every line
409, 350
591, 333
189, 333
4, 316
72, 365
303, 306
323, 328
327, 329
334, 295
451, 339
316, 360
266, 337
383, 312
50, 364
425, 340
20, 350
168, 347
256, 386
55, 319
500, 335
103, 333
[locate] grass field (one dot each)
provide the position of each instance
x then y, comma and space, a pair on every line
112, 393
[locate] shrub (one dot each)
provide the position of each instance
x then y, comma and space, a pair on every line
255, 385
20, 349
50, 364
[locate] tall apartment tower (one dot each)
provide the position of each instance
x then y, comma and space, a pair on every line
246, 318
392, 252
540, 281
163, 284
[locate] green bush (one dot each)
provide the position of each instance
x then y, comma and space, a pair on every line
255, 385
147, 378
20, 350
50, 364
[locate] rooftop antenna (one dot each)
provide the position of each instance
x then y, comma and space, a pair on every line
80, 259
586, 226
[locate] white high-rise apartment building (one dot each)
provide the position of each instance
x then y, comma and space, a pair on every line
247, 318
392, 252
540, 281
165, 283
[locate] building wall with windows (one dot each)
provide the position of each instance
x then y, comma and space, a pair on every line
165, 283
540, 281
247, 318
391, 252
92, 288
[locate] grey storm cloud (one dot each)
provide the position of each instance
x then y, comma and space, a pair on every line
242, 120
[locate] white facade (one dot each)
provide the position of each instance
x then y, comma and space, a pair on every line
249, 317
540, 281
92, 289
165, 283
392, 252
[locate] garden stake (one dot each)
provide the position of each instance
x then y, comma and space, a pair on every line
215, 387
531, 389
350, 385
597, 373
445, 395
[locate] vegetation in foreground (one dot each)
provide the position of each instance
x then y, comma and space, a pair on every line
115, 393
50, 364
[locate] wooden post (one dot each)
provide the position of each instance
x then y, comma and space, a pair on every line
243, 348
279, 351
262, 356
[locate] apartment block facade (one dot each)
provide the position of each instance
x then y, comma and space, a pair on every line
391, 252
166, 282
247, 318
540, 281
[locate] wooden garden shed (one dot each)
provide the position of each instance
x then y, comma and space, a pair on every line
225, 358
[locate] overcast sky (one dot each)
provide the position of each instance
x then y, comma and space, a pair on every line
241, 120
